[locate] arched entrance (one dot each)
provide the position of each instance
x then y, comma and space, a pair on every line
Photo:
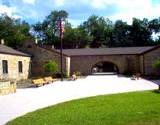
105, 67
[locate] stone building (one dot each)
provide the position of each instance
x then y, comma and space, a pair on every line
13, 64
40, 55
120, 60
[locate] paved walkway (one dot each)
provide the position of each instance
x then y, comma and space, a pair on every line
27, 100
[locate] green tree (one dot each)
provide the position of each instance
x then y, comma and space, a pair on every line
76, 37
154, 25
99, 29
140, 34
47, 30
97, 32
120, 35
51, 67
14, 31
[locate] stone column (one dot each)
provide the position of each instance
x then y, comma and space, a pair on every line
68, 63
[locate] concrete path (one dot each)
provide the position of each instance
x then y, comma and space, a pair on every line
27, 100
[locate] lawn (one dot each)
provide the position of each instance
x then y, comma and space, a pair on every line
137, 108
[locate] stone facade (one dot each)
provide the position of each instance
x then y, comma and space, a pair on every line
13, 72
40, 56
149, 58
124, 63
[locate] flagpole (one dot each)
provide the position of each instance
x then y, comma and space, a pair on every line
61, 49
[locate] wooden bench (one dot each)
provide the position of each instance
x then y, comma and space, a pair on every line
49, 79
38, 82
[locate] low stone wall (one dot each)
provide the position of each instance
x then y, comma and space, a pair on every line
24, 83
7, 87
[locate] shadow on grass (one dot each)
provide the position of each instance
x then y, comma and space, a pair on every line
157, 91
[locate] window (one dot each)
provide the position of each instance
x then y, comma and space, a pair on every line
5, 66
20, 67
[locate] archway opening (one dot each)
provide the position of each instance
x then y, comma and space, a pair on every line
105, 67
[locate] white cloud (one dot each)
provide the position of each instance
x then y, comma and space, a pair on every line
29, 1
102, 3
80, 9
120, 3
155, 36
127, 9
59, 2
7, 10
10, 11
16, 16
135, 8
75, 22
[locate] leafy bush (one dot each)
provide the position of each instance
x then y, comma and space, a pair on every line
156, 64
77, 73
51, 67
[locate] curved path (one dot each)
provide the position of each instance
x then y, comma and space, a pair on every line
27, 100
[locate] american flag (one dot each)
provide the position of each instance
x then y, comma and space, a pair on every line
60, 26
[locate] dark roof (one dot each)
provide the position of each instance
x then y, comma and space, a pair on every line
107, 51
8, 50
154, 48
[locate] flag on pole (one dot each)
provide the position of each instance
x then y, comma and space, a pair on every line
60, 26
62, 31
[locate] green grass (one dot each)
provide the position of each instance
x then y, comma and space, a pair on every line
138, 108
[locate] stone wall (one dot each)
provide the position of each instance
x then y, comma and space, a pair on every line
13, 67
133, 62
7, 87
141, 63
149, 59
40, 56
84, 64
125, 63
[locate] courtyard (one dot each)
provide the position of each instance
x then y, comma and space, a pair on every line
31, 99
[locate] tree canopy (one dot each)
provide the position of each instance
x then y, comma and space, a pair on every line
14, 31
95, 32
48, 29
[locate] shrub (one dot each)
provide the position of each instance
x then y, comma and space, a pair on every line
156, 64
77, 73
51, 67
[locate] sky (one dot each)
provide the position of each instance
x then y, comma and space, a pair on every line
33, 11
